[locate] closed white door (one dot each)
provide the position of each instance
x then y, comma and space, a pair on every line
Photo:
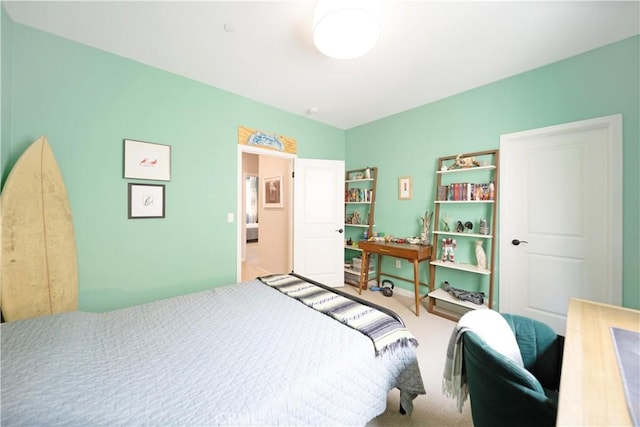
318, 220
560, 218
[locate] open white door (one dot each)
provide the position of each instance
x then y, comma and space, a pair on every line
318, 220
560, 218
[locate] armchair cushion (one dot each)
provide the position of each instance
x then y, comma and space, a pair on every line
541, 349
503, 393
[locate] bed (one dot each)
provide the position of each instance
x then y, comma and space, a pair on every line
242, 354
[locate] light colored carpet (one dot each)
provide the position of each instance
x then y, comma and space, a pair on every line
433, 332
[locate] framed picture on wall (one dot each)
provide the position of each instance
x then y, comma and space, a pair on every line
272, 192
146, 160
404, 188
146, 201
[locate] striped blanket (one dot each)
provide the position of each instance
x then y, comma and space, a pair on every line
385, 331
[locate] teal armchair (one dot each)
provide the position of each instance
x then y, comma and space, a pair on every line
504, 394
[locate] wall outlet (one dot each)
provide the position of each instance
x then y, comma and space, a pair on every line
398, 263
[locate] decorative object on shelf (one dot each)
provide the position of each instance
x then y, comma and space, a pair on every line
464, 162
445, 223
349, 241
146, 201
459, 227
146, 160
448, 245
413, 240
425, 236
367, 173
468, 226
355, 219
481, 257
272, 192
484, 226
461, 294
404, 188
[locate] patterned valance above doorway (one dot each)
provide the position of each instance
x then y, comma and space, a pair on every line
266, 140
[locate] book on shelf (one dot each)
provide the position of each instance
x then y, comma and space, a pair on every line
466, 191
442, 192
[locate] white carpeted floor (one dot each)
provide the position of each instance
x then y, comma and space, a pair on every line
433, 332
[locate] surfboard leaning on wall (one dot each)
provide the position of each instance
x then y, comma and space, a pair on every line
39, 261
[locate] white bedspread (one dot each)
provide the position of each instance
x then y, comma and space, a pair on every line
237, 355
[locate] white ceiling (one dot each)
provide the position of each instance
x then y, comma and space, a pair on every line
428, 51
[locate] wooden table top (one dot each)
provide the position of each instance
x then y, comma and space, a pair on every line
591, 388
401, 250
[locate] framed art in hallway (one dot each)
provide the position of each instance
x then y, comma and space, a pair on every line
272, 192
404, 188
146, 201
146, 160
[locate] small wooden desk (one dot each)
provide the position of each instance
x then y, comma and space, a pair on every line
413, 253
591, 390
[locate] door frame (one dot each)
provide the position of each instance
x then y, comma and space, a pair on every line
240, 182
613, 125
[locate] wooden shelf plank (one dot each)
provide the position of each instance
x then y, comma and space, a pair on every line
464, 201
442, 295
357, 272
475, 235
359, 180
475, 168
464, 267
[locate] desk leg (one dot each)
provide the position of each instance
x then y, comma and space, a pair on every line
416, 278
364, 272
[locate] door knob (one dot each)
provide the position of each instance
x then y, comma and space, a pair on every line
340, 230
516, 242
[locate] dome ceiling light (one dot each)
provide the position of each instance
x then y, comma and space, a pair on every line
345, 29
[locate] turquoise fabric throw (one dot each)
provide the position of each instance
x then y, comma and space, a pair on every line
385, 331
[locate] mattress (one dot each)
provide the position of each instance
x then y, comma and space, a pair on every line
243, 354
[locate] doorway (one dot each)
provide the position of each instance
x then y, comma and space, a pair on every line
264, 236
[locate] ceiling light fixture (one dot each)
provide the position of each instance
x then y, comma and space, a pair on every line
345, 29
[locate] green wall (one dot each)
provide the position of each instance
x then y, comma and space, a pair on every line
601, 82
5, 88
86, 102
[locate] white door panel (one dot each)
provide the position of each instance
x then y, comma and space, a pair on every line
558, 195
319, 220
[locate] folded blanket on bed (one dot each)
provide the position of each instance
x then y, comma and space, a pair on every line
494, 330
385, 331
